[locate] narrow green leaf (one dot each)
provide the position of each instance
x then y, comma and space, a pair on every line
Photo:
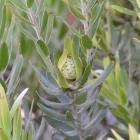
85, 75
31, 130
56, 119
42, 51
55, 105
3, 22
30, 3
123, 97
61, 80
75, 11
117, 136
133, 135
136, 42
44, 22
122, 113
17, 125
43, 47
69, 116
3, 56
50, 24
81, 98
63, 30
124, 10
3, 135
18, 4
138, 3
91, 4
15, 73
99, 81
77, 61
17, 103
24, 135
86, 42
5, 119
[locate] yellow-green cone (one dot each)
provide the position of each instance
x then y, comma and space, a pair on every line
68, 69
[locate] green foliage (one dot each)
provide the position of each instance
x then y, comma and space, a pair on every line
3, 56
133, 135
80, 60
10, 120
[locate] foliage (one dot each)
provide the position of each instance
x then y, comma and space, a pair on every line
80, 61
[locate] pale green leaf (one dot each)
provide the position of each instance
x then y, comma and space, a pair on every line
17, 102
3, 56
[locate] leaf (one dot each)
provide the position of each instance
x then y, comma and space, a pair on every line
86, 42
100, 9
85, 75
55, 105
66, 52
3, 135
31, 130
97, 118
61, 80
91, 4
43, 52
3, 56
30, 3
43, 47
24, 135
136, 42
80, 99
99, 81
77, 61
46, 84
15, 73
63, 30
17, 124
3, 22
133, 135
5, 119
75, 11
124, 10
50, 24
138, 3
55, 119
18, 4
17, 103
122, 113
117, 136
44, 22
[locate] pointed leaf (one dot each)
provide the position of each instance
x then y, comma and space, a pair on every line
75, 11
30, 3
15, 73
3, 135
124, 10
3, 22
77, 61
3, 56
133, 135
17, 125
50, 24
117, 136
17, 103
44, 22
5, 119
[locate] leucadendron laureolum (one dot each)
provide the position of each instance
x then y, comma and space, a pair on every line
69, 63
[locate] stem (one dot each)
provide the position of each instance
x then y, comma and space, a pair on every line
34, 22
85, 13
77, 121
